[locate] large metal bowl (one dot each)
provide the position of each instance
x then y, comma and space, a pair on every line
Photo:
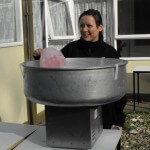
82, 82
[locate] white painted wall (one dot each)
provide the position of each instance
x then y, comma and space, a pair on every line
12, 99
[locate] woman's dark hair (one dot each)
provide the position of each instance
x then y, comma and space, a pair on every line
95, 13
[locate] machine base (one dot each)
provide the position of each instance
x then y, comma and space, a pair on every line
73, 127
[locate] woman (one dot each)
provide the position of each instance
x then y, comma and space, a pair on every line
91, 44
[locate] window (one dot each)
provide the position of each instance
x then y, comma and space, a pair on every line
53, 22
10, 22
132, 28
60, 23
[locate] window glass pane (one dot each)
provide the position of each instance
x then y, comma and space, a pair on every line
133, 16
134, 48
60, 17
7, 21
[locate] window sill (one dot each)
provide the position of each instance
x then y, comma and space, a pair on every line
64, 38
136, 58
12, 44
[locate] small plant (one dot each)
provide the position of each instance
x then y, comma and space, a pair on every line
127, 126
136, 131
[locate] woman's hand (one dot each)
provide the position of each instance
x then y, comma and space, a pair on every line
37, 53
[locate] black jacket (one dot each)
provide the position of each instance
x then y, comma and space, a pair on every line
112, 113
81, 48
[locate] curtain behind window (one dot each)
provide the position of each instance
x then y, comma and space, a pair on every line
7, 21
38, 23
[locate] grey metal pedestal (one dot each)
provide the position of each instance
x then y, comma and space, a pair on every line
73, 127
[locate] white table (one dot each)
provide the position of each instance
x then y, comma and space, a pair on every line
108, 140
137, 71
12, 134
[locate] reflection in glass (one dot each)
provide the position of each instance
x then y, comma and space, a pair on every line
134, 48
133, 17
60, 17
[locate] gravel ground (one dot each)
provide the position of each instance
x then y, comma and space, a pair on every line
136, 131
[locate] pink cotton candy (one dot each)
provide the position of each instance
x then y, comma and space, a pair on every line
52, 58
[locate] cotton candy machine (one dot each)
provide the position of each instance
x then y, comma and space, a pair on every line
73, 96
82, 82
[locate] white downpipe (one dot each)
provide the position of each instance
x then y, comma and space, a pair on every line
46, 25
115, 10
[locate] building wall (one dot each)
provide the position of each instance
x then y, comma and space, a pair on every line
12, 99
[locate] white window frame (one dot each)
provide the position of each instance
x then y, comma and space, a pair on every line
19, 26
126, 37
48, 23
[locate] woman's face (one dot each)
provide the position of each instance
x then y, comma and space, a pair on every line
88, 29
